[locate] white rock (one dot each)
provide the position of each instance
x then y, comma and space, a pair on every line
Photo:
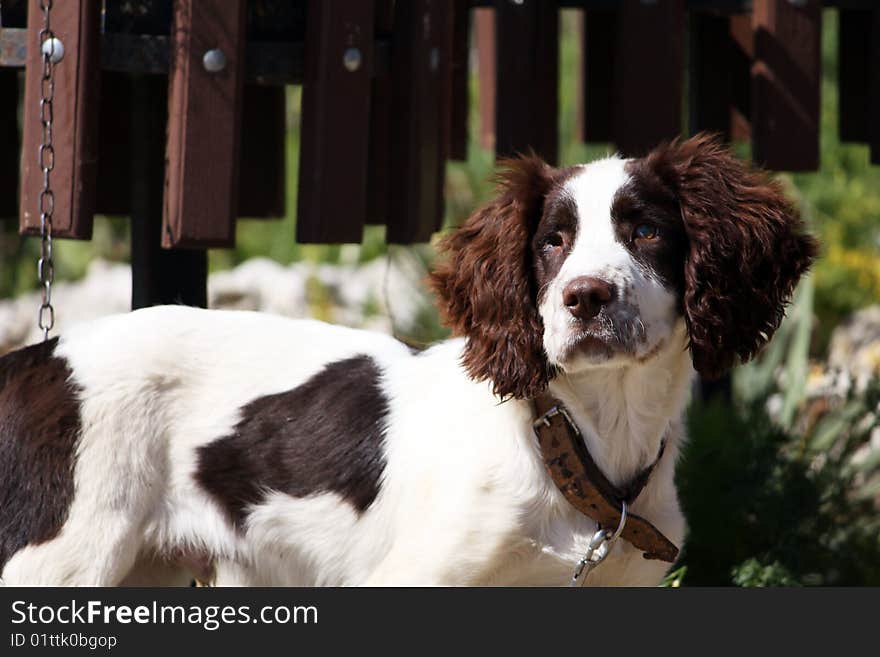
350, 294
855, 344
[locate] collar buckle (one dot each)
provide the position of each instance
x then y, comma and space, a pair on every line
556, 409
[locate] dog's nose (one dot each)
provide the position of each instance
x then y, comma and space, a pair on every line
584, 296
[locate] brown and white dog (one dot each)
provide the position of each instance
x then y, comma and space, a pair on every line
137, 448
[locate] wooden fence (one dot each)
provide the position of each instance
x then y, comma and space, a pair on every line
173, 112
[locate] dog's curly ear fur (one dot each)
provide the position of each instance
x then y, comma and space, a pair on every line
485, 284
747, 250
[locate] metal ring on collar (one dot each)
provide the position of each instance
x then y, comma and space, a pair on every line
621, 524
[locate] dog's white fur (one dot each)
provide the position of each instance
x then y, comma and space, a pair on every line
464, 499
598, 253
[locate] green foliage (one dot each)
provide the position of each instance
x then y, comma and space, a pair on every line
784, 501
753, 573
674, 577
770, 507
787, 500
788, 353
843, 198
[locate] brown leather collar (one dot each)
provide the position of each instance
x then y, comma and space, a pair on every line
584, 485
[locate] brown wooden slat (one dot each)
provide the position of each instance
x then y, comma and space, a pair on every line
458, 134
785, 84
334, 147
854, 74
648, 74
527, 61
719, 74
75, 114
875, 88
10, 153
158, 276
743, 53
484, 22
600, 29
420, 67
379, 187
204, 121
262, 172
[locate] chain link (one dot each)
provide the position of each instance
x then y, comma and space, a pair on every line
46, 160
598, 548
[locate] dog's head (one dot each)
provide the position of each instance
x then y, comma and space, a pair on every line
596, 265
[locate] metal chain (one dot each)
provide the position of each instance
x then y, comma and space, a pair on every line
598, 548
46, 265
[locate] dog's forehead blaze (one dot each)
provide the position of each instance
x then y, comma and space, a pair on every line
599, 204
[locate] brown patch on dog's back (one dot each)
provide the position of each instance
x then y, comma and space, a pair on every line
39, 430
326, 435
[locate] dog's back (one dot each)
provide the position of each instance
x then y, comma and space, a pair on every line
105, 435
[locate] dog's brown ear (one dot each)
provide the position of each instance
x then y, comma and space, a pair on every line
485, 284
747, 250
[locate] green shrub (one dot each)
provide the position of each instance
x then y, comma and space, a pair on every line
770, 507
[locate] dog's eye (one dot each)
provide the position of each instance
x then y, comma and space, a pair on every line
553, 240
646, 232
